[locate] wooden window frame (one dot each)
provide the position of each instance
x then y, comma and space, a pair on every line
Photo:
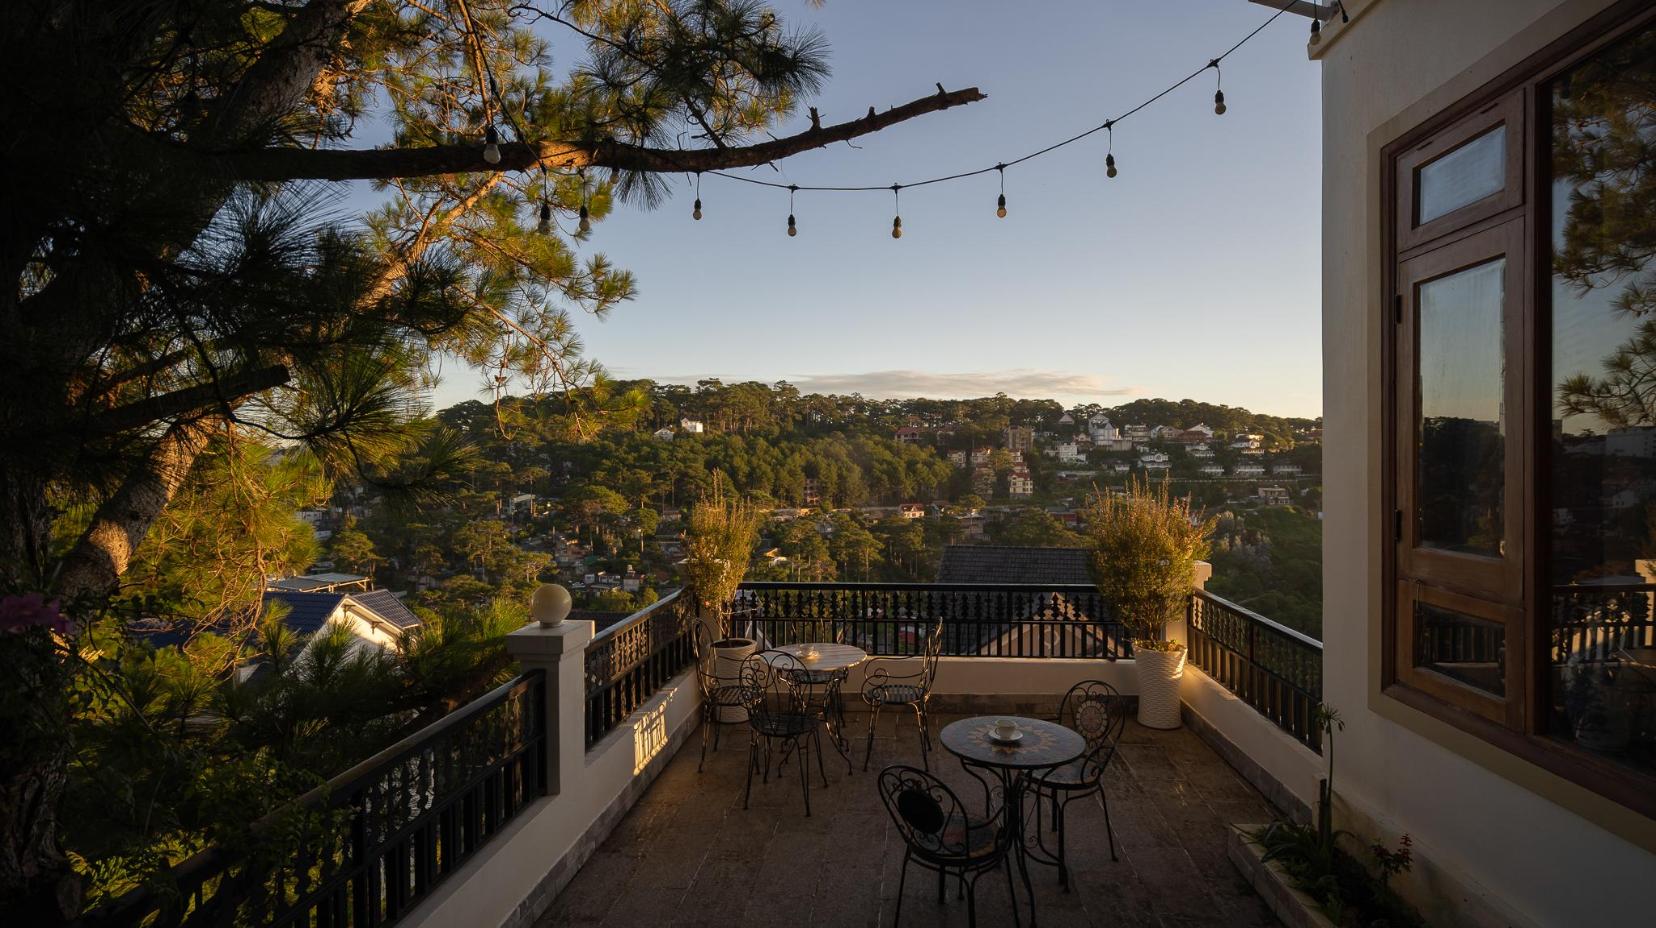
1515, 723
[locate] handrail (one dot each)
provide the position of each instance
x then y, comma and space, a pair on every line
341, 790
1253, 616
915, 587
635, 618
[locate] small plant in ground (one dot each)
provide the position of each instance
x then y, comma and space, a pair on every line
1346, 891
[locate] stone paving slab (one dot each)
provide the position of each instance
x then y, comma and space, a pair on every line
689, 855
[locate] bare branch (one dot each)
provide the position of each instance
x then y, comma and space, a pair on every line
273, 164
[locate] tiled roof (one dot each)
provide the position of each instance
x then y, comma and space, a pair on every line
1013, 564
307, 612
388, 606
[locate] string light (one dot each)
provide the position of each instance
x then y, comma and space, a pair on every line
897, 203
1218, 93
695, 213
1316, 30
1107, 127
491, 144
585, 224
793, 230
545, 226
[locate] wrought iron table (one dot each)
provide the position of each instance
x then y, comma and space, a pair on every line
1044, 745
830, 661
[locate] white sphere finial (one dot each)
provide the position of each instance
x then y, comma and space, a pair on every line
550, 605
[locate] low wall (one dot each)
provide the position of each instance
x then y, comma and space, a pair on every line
1272, 760
513, 879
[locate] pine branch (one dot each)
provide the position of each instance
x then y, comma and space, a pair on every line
277, 164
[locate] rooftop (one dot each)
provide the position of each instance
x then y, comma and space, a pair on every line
689, 854
1013, 564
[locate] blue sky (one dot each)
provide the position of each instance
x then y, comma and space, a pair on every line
1194, 273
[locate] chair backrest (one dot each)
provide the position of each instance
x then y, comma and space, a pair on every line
775, 683
1094, 710
928, 815
707, 666
934, 650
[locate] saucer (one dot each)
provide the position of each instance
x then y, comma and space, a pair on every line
1014, 738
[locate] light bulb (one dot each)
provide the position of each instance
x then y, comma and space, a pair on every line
491, 145
1109, 166
792, 229
545, 219
1000, 206
1219, 102
696, 212
1316, 32
586, 223
897, 227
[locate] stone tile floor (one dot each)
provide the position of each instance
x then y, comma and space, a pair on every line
689, 854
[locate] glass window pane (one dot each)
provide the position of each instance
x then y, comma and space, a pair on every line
1460, 481
1602, 527
1466, 175
1461, 647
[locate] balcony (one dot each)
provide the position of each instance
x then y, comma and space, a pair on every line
571, 796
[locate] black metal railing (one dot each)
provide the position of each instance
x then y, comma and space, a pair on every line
630, 661
979, 619
1594, 623
1271, 667
370, 844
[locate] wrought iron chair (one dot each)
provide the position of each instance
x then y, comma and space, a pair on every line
719, 692
1094, 710
939, 835
783, 707
882, 687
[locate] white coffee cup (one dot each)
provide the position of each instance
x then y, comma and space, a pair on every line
1006, 728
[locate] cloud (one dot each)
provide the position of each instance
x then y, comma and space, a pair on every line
1018, 382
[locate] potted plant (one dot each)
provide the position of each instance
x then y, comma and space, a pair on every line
1145, 545
719, 540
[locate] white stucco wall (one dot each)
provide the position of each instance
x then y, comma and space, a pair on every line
1491, 851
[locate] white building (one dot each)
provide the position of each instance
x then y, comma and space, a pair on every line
1201, 452
1437, 143
664, 434
1020, 484
1248, 470
1211, 470
1285, 470
691, 426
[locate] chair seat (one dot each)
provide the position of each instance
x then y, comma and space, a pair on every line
965, 842
894, 693
726, 695
789, 725
1077, 774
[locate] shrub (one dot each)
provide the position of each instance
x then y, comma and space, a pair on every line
1145, 545
719, 540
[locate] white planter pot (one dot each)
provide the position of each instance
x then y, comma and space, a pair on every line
1159, 673
728, 655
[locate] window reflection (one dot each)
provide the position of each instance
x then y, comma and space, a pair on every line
1460, 478
1461, 647
1603, 449
1463, 177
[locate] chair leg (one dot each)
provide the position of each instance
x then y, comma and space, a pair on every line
919, 723
902, 879
1012, 891
707, 720
805, 778
971, 904
868, 749
753, 759
942, 877
816, 735
1104, 800
1058, 811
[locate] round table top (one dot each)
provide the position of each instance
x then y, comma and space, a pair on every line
1044, 744
825, 656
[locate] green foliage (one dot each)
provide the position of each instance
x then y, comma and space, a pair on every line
1145, 547
720, 539
1033, 528
1270, 560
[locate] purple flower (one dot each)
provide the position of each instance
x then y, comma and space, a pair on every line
29, 610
